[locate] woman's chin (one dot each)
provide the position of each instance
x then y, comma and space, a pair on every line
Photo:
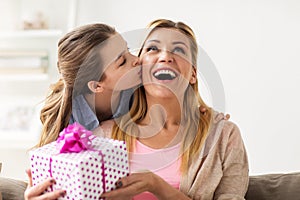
160, 92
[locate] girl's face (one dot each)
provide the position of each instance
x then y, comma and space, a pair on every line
166, 63
121, 72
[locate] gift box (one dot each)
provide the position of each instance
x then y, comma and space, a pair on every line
85, 169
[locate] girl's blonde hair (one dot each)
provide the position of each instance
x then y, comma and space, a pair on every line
79, 61
196, 125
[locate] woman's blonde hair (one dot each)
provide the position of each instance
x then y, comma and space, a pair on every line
196, 125
78, 62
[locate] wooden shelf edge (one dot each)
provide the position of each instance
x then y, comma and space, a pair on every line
31, 33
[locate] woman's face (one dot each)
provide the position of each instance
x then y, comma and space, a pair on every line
121, 71
166, 63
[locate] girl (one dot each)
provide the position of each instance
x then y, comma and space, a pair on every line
92, 59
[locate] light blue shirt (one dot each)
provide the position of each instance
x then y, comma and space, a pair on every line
84, 115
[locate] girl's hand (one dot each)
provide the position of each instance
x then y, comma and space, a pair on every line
219, 116
36, 192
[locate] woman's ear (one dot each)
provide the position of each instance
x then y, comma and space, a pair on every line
95, 86
193, 78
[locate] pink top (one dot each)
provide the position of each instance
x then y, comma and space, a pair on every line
163, 162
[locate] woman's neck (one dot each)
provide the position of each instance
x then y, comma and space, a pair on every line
163, 111
161, 125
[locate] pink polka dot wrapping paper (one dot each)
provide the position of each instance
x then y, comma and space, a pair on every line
84, 175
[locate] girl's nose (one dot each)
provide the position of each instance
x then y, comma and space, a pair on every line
165, 56
135, 60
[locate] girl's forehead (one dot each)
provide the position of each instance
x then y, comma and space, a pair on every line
112, 48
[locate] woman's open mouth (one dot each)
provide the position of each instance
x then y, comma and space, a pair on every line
164, 74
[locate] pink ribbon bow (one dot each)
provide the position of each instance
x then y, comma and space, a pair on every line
74, 138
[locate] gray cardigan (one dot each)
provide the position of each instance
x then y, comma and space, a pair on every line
221, 170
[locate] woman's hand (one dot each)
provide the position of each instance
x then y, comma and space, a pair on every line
36, 192
137, 183
131, 185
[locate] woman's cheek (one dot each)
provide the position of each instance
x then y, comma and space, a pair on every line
147, 59
146, 64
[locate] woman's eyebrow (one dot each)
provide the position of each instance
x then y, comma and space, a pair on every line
180, 42
149, 41
174, 43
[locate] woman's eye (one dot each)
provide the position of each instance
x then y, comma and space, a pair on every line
179, 50
151, 48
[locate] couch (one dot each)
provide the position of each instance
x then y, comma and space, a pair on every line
274, 187
261, 187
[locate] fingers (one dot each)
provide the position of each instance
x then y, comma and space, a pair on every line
131, 185
133, 178
125, 192
28, 172
203, 109
218, 117
47, 196
39, 189
221, 116
52, 195
227, 116
36, 192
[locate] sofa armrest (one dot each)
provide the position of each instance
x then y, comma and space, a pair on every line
274, 187
12, 189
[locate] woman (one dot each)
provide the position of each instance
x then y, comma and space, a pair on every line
92, 59
188, 155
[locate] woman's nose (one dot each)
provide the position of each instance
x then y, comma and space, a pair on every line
165, 56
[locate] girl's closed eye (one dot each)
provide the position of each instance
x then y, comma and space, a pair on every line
122, 61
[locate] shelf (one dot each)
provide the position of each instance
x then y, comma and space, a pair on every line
18, 139
30, 34
24, 77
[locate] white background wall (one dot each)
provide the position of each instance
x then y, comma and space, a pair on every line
255, 46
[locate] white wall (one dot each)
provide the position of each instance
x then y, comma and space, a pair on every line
255, 46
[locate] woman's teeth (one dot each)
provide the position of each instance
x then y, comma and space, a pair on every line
164, 75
